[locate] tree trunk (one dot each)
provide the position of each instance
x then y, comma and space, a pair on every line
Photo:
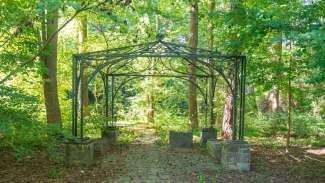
275, 93
274, 98
227, 122
49, 59
289, 104
82, 38
212, 81
150, 108
228, 118
193, 41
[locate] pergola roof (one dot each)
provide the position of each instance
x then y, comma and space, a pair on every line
157, 48
162, 59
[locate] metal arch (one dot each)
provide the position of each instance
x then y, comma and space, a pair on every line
158, 49
110, 63
218, 70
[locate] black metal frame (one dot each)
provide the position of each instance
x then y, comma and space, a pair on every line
120, 62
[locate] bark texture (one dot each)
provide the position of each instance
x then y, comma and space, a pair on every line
227, 121
193, 42
49, 59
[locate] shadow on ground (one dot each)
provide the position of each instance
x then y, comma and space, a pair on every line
144, 160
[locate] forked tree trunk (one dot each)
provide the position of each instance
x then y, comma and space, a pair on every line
82, 38
49, 59
193, 41
212, 81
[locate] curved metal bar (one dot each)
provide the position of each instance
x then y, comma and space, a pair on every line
186, 59
217, 70
119, 60
81, 55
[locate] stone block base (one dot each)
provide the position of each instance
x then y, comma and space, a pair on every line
180, 139
214, 149
236, 155
100, 147
233, 155
110, 136
208, 134
79, 151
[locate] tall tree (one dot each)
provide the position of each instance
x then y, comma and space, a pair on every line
49, 59
193, 42
212, 81
228, 118
274, 95
82, 39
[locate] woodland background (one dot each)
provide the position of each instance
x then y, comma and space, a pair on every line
284, 42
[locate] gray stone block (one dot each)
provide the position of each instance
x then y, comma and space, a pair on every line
79, 151
235, 155
180, 139
214, 148
99, 147
208, 134
110, 136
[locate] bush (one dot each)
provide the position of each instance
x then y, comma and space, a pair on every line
21, 132
275, 124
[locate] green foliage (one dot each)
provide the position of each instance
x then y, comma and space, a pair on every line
20, 129
275, 125
254, 28
165, 121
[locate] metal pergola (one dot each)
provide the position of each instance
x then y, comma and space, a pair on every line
142, 60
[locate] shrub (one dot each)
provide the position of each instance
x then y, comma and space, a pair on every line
21, 132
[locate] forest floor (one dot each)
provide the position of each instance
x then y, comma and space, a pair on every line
145, 160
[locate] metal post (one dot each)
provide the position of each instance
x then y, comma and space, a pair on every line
74, 98
81, 101
106, 96
113, 96
234, 98
206, 100
242, 98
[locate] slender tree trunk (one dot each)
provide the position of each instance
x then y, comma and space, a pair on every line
82, 38
212, 81
150, 108
49, 59
193, 42
275, 92
274, 98
289, 104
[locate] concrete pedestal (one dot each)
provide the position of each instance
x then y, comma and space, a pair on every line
180, 139
79, 151
236, 155
100, 146
110, 136
208, 134
233, 155
214, 149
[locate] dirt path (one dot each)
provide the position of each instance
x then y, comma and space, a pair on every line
145, 161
